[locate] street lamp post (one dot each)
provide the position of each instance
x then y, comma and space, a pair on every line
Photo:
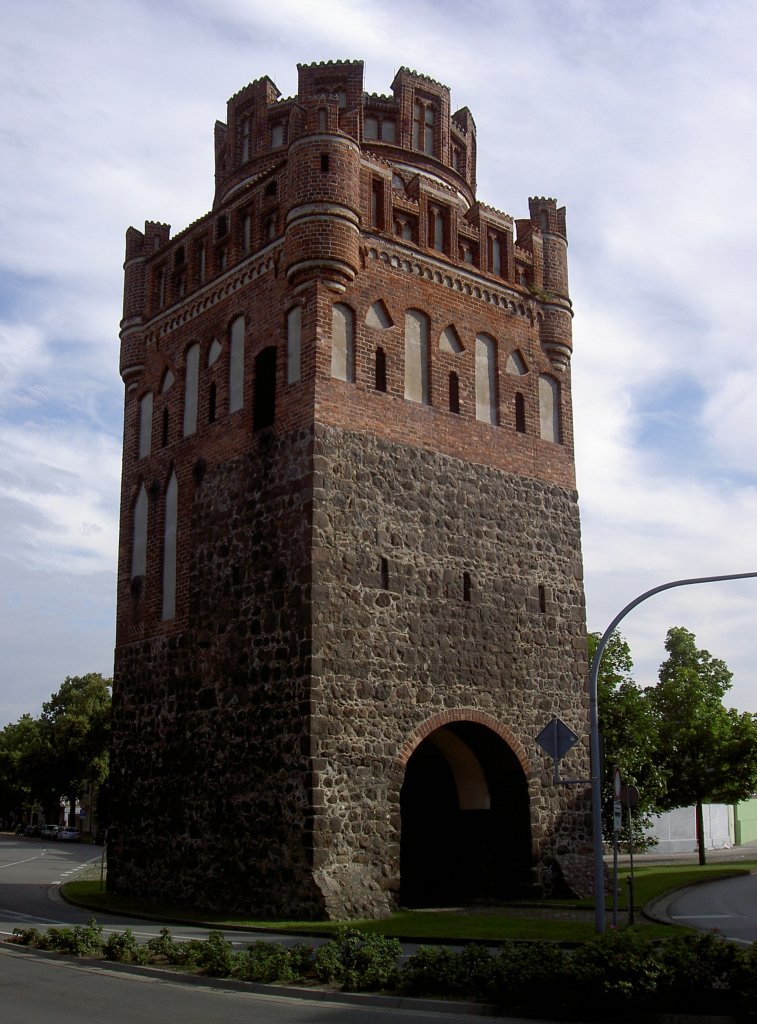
596, 782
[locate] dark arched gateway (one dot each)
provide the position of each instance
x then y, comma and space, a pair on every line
466, 831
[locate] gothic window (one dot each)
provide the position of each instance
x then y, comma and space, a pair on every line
342, 342
550, 426
294, 331
436, 228
168, 379
495, 255
264, 396
416, 356
377, 128
139, 535
404, 227
277, 135
169, 549
246, 137
236, 365
520, 413
423, 127
145, 425
191, 381
486, 379
160, 289
380, 369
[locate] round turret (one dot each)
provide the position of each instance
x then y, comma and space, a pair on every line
322, 228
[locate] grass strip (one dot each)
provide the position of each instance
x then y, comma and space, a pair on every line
554, 920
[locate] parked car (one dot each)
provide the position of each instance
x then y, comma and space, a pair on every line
68, 835
32, 830
49, 831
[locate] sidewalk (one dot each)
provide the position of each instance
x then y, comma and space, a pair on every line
744, 852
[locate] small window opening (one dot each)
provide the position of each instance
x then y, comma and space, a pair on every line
164, 431
212, 392
222, 226
542, 599
324, 162
178, 259
520, 413
454, 392
270, 189
322, 120
384, 573
466, 586
380, 369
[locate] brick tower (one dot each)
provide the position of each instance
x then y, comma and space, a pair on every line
350, 581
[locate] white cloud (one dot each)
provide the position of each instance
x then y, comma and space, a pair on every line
639, 117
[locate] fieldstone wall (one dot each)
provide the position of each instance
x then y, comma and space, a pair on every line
211, 784
403, 644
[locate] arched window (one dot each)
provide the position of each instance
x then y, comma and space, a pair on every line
190, 389
549, 409
264, 398
416, 357
423, 127
486, 379
342, 342
145, 425
236, 365
139, 535
294, 331
169, 549
380, 369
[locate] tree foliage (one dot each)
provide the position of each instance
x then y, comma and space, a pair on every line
42, 759
707, 752
628, 728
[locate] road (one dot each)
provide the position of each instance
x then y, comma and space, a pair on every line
730, 905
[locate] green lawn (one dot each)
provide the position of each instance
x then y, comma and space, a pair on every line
546, 920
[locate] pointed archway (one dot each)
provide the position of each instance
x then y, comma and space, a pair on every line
465, 817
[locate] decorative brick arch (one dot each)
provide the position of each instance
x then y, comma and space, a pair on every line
463, 715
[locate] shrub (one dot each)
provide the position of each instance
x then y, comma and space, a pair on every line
431, 970
124, 948
265, 962
217, 958
528, 971
358, 961
27, 937
696, 970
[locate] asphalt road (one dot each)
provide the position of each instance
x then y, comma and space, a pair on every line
730, 906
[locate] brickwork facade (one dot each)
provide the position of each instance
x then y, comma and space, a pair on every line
349, 589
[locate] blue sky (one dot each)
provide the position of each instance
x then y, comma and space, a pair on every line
639, 117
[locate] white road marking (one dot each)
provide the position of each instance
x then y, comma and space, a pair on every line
13, 863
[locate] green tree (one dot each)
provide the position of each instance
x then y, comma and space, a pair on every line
76, 725
628, 729
708, 753
25, 768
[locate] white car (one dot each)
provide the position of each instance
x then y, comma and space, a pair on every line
68, 835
